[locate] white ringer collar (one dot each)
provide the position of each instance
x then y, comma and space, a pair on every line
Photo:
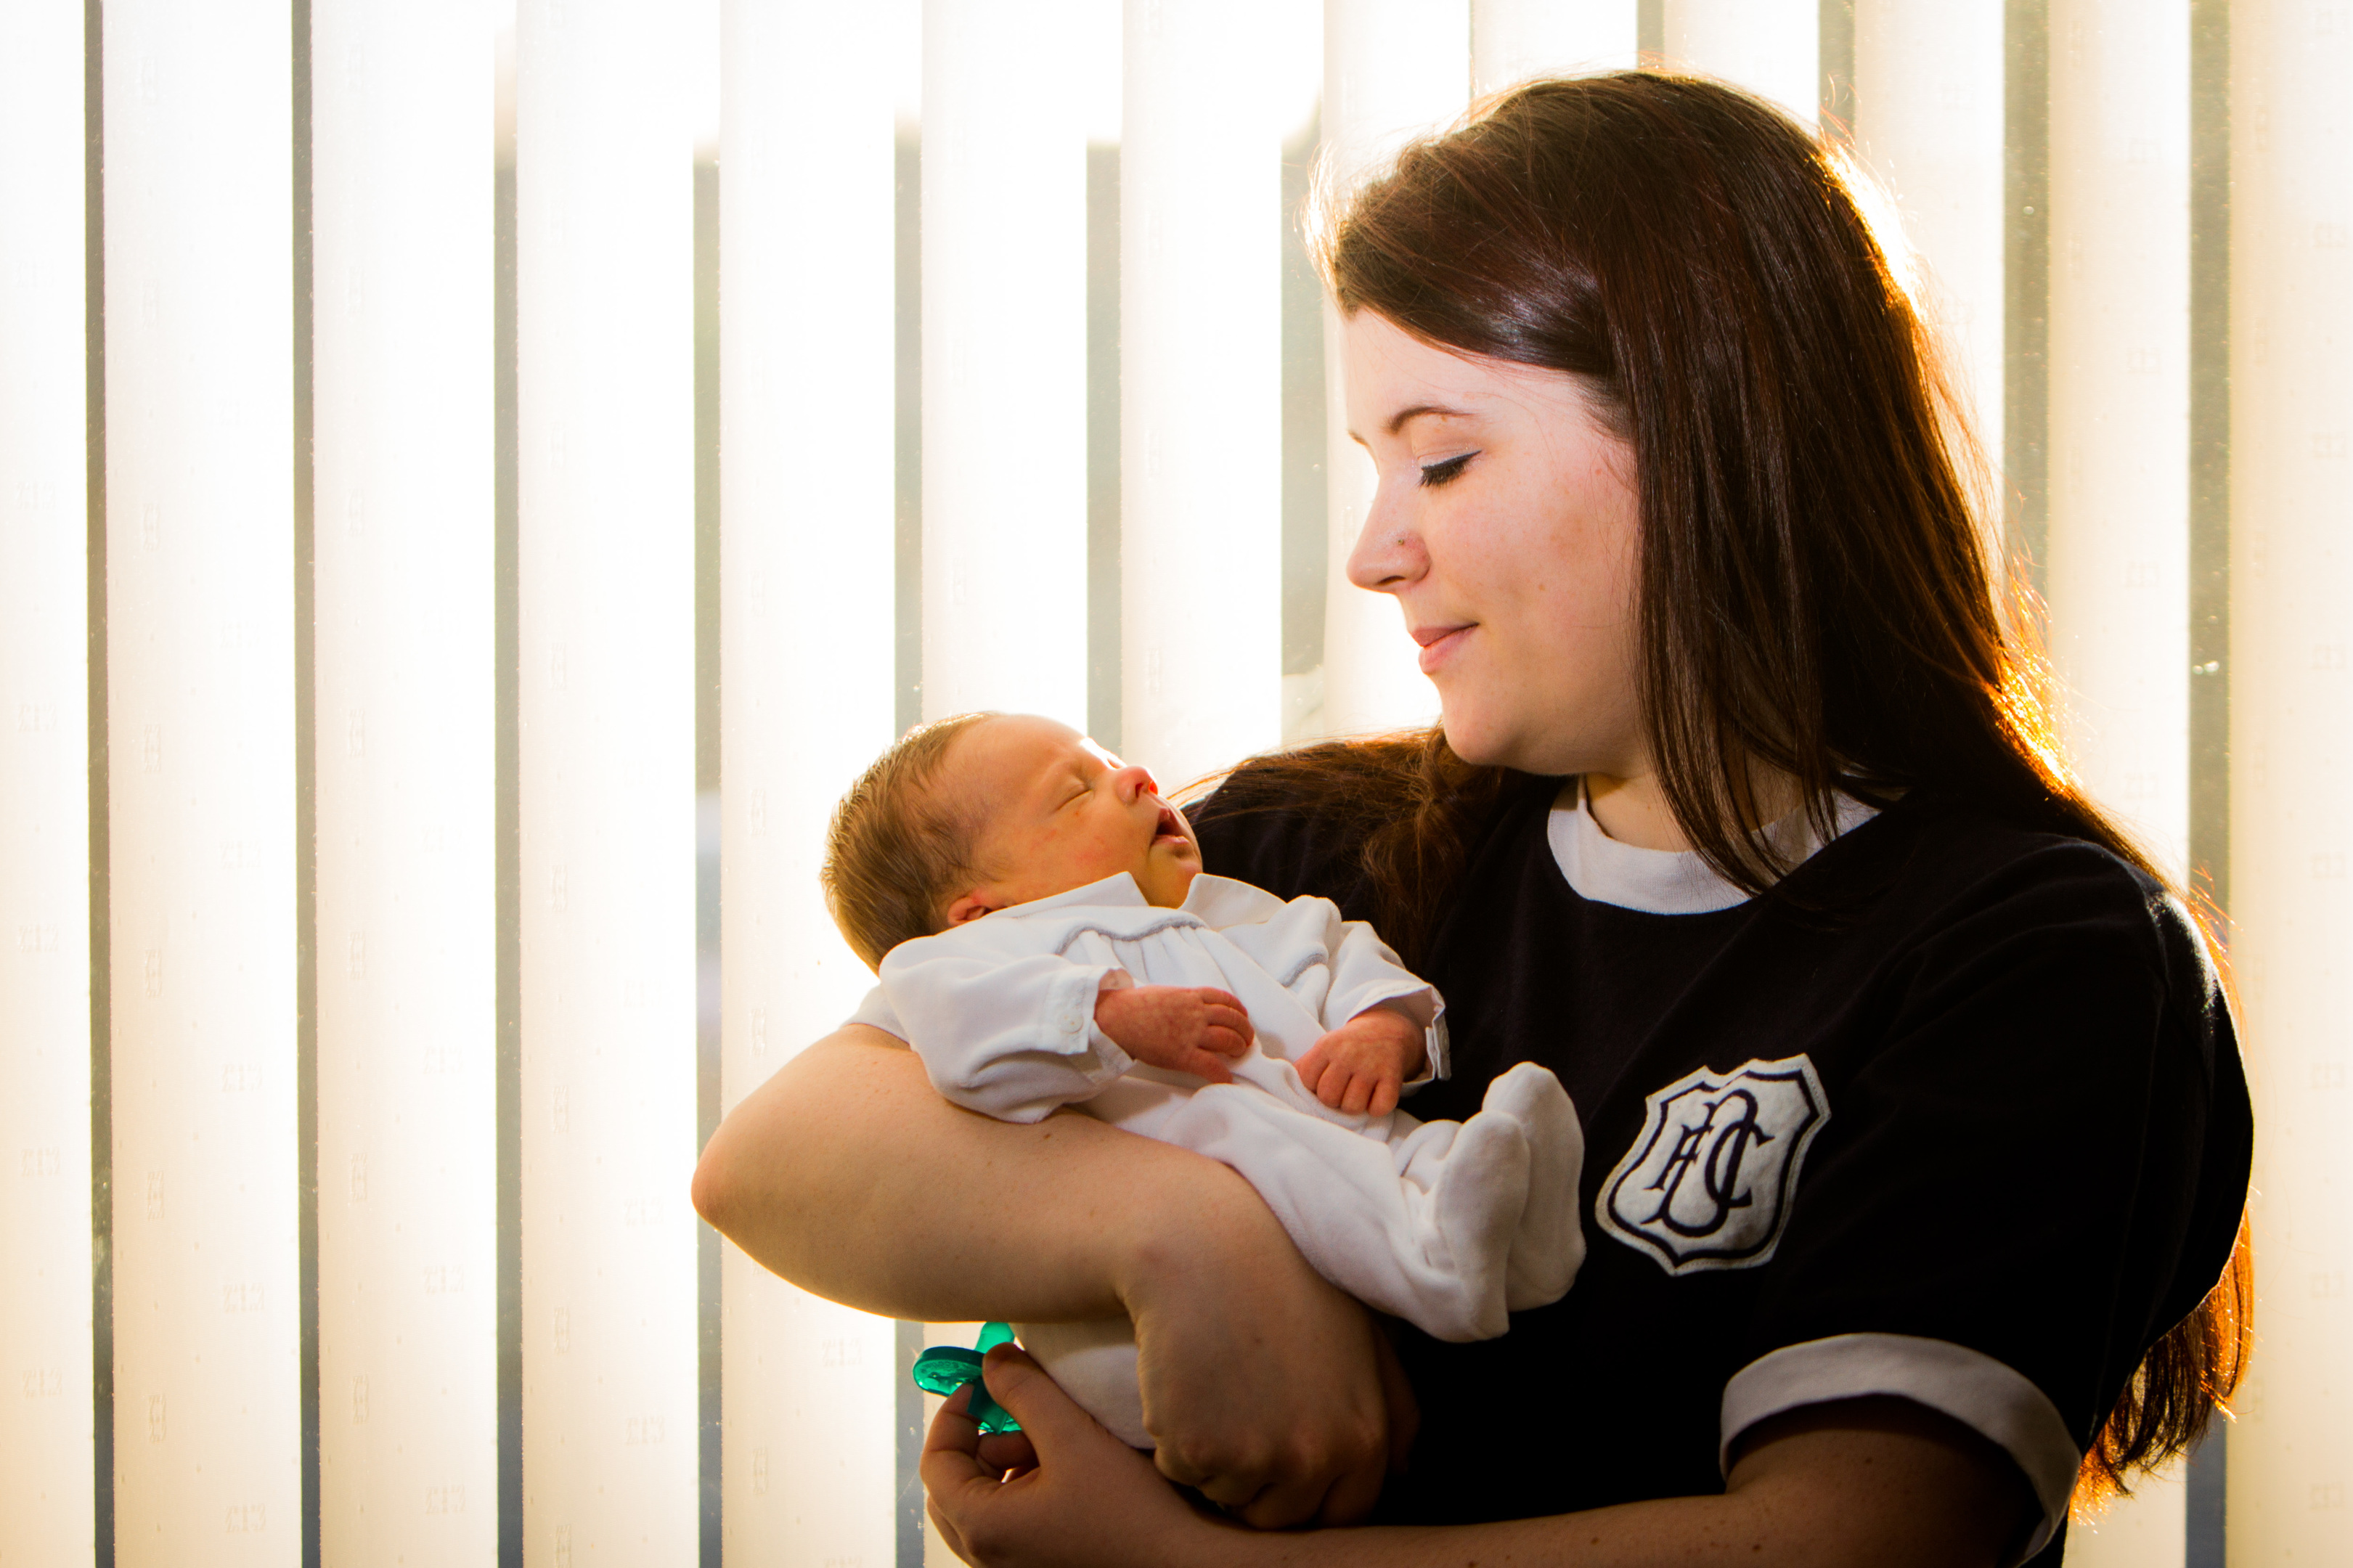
1669, 881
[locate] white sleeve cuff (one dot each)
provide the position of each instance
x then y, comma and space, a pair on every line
1437, 1052
1108, 1051
1989, 1397
1067, 1022
876, 1013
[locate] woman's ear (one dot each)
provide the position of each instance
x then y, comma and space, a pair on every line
972, 906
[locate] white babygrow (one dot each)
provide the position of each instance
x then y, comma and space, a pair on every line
1447, 1224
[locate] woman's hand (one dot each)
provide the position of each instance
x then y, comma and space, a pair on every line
1265, 1388
1078, 1496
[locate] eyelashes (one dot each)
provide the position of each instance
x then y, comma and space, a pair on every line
1436, 474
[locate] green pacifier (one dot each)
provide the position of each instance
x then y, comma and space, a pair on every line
944, 1369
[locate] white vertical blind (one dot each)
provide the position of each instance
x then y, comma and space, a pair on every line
200, 662
45, 1458
1512, 41
202, 781
1005, 359
604, 637
401, 120
2291, 765
809, 1471
2119, 406
1393, 69
1928, 122
1201, 368
1772, 48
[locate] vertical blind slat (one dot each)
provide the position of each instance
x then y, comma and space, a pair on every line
1772, 48
45, 1490
1512, 41
401, 115
200, 659
807, 400
605, 667
1201, 415
1928, 122
1005, 360
1392, 70
2120, 401
2291, 763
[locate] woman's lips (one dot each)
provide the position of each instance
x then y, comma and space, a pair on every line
1438, 645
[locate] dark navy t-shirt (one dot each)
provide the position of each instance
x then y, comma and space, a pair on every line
1961, 1118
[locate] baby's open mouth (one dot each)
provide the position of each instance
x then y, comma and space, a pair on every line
1168, 829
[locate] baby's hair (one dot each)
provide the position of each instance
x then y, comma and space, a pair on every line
894, 852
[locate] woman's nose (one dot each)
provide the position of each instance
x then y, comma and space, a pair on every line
1388, 554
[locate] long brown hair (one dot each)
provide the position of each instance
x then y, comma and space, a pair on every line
1814, 589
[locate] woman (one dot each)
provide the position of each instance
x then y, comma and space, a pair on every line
1916, 1133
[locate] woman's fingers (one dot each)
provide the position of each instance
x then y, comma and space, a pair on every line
1008, 1452
1085, 1489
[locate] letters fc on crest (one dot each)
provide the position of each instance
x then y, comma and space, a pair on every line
1706, 1183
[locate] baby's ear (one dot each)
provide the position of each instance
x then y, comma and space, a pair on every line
971, 907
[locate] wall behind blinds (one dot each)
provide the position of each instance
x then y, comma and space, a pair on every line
2035, 135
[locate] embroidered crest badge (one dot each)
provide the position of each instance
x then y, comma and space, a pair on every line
1706, 1182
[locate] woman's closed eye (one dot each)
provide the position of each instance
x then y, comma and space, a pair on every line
1436, 474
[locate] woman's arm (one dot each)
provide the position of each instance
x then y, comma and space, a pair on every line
849, 1175
1856, 1484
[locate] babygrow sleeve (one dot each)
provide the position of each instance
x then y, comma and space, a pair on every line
1340, 968
1010, 1037
1366, 972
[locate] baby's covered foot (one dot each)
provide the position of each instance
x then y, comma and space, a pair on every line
1548, 1247
1475, 1207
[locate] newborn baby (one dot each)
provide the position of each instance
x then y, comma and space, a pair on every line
1045, 936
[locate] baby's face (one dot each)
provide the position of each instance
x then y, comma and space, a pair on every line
1058, 812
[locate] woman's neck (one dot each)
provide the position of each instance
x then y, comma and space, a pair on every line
1633, 809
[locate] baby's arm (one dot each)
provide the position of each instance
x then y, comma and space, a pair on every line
1362, 1065
1184, 1028
1014, 1035
1008, 1036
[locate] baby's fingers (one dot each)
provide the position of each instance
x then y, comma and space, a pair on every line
1202, 1064
1385, 1096
1311, 1067
1332, 1085
1227, 1013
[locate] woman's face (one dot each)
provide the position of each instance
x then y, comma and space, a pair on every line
1505, 524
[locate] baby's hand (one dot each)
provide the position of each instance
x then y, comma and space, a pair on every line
1185, 1028
1360, 1065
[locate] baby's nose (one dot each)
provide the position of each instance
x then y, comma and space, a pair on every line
1134, 780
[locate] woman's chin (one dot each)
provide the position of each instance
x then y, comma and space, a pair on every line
1482, 744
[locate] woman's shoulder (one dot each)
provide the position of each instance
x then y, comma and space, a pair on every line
1250, 831
1964, 879
1296, 823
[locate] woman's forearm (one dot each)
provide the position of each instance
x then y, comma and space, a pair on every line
850, 1144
